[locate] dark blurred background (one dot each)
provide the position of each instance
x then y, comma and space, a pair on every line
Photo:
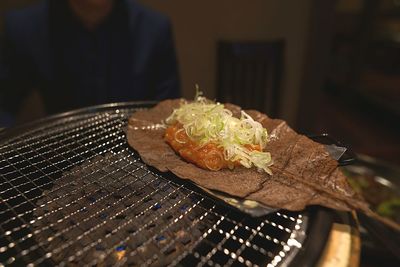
324, 66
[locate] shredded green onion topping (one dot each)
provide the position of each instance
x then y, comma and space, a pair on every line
205, 121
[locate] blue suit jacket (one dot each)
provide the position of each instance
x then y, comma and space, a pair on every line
129, 57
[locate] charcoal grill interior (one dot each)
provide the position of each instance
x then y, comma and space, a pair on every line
74, 193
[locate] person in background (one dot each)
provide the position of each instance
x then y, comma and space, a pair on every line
65, 54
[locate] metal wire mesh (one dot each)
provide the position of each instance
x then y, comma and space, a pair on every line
73, 193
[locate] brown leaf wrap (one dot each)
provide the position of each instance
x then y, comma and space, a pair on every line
303, 172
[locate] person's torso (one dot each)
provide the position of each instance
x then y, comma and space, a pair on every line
78, 68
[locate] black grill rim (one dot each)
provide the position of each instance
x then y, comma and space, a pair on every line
320, 225
19, 129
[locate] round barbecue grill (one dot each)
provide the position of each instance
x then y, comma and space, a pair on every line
74, 193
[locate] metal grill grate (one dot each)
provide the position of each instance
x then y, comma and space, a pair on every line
73, 193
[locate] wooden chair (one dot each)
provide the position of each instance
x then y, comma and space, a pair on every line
249, 74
